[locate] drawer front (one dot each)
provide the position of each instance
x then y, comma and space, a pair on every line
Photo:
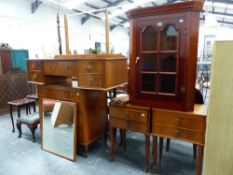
129, 114
34, 65
178, 120
59, 68
35, 77
89, 80
59, 94
130, 125
126, 118
90, 66
180, 134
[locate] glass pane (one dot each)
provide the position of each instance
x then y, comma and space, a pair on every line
149, 82
167, 83
168, 63
149, 62
169, 38
149, 39
58, 128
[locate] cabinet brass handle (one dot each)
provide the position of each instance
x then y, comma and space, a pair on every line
176, 133
89, 68
178, 121
91, 82
137, 59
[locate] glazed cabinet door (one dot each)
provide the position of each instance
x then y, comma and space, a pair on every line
158, 60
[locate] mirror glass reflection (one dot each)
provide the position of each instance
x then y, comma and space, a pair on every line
58, 128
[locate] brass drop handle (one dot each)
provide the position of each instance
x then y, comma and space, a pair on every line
127, 115
89, 67
91, 82
176, 133
137, 59
178, 121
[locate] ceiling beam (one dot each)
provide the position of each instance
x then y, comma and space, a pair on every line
35, 5
87, 17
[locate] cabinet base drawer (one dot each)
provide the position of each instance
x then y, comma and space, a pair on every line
90, 80
180, 134
129, 125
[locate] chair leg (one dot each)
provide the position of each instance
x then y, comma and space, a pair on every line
18, 124
32, 129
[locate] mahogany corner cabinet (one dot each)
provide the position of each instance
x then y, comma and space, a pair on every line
163, 55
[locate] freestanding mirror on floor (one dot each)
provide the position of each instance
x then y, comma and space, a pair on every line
59, 128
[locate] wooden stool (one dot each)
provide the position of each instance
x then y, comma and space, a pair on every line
31, 121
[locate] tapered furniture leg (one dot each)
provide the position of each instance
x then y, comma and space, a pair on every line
86, 150
112, 139
194, 151
160, 148
168, 144
199, 160
12, 120
18, 125
32, 129
147, 151
155, 145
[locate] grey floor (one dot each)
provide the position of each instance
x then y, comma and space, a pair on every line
22, 157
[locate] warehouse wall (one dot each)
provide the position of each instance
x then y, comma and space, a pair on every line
38, 32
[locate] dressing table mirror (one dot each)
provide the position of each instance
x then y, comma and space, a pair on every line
59, 128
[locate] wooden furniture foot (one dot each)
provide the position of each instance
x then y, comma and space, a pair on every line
155, 145
86, 147
160, 148
112, 139
147, 151
199, 160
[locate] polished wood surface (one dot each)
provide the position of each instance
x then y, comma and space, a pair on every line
129, 117
185, 126
184, 18
91, 105
91, 73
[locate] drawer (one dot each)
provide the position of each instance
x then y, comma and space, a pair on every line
59, 94
178, 120
197, 137
90, 66
90, 80
129, 114
130, 125
58, 68
35, 77
34, 65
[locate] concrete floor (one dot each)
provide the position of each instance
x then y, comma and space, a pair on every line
22, 157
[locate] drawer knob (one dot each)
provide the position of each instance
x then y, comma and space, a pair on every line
77, 94
178, 121
143, 115
91, 82
89, 68
176, 133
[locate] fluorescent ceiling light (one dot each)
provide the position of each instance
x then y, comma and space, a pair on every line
73, 3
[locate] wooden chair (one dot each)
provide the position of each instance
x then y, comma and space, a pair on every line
31, 121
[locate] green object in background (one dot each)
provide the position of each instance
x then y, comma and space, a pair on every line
19, 59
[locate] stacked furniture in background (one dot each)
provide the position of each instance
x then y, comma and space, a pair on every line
13, 61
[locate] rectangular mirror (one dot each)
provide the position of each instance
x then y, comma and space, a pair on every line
59, 128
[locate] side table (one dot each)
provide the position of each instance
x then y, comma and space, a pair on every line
133, 118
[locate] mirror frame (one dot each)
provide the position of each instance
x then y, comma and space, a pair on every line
75, 129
